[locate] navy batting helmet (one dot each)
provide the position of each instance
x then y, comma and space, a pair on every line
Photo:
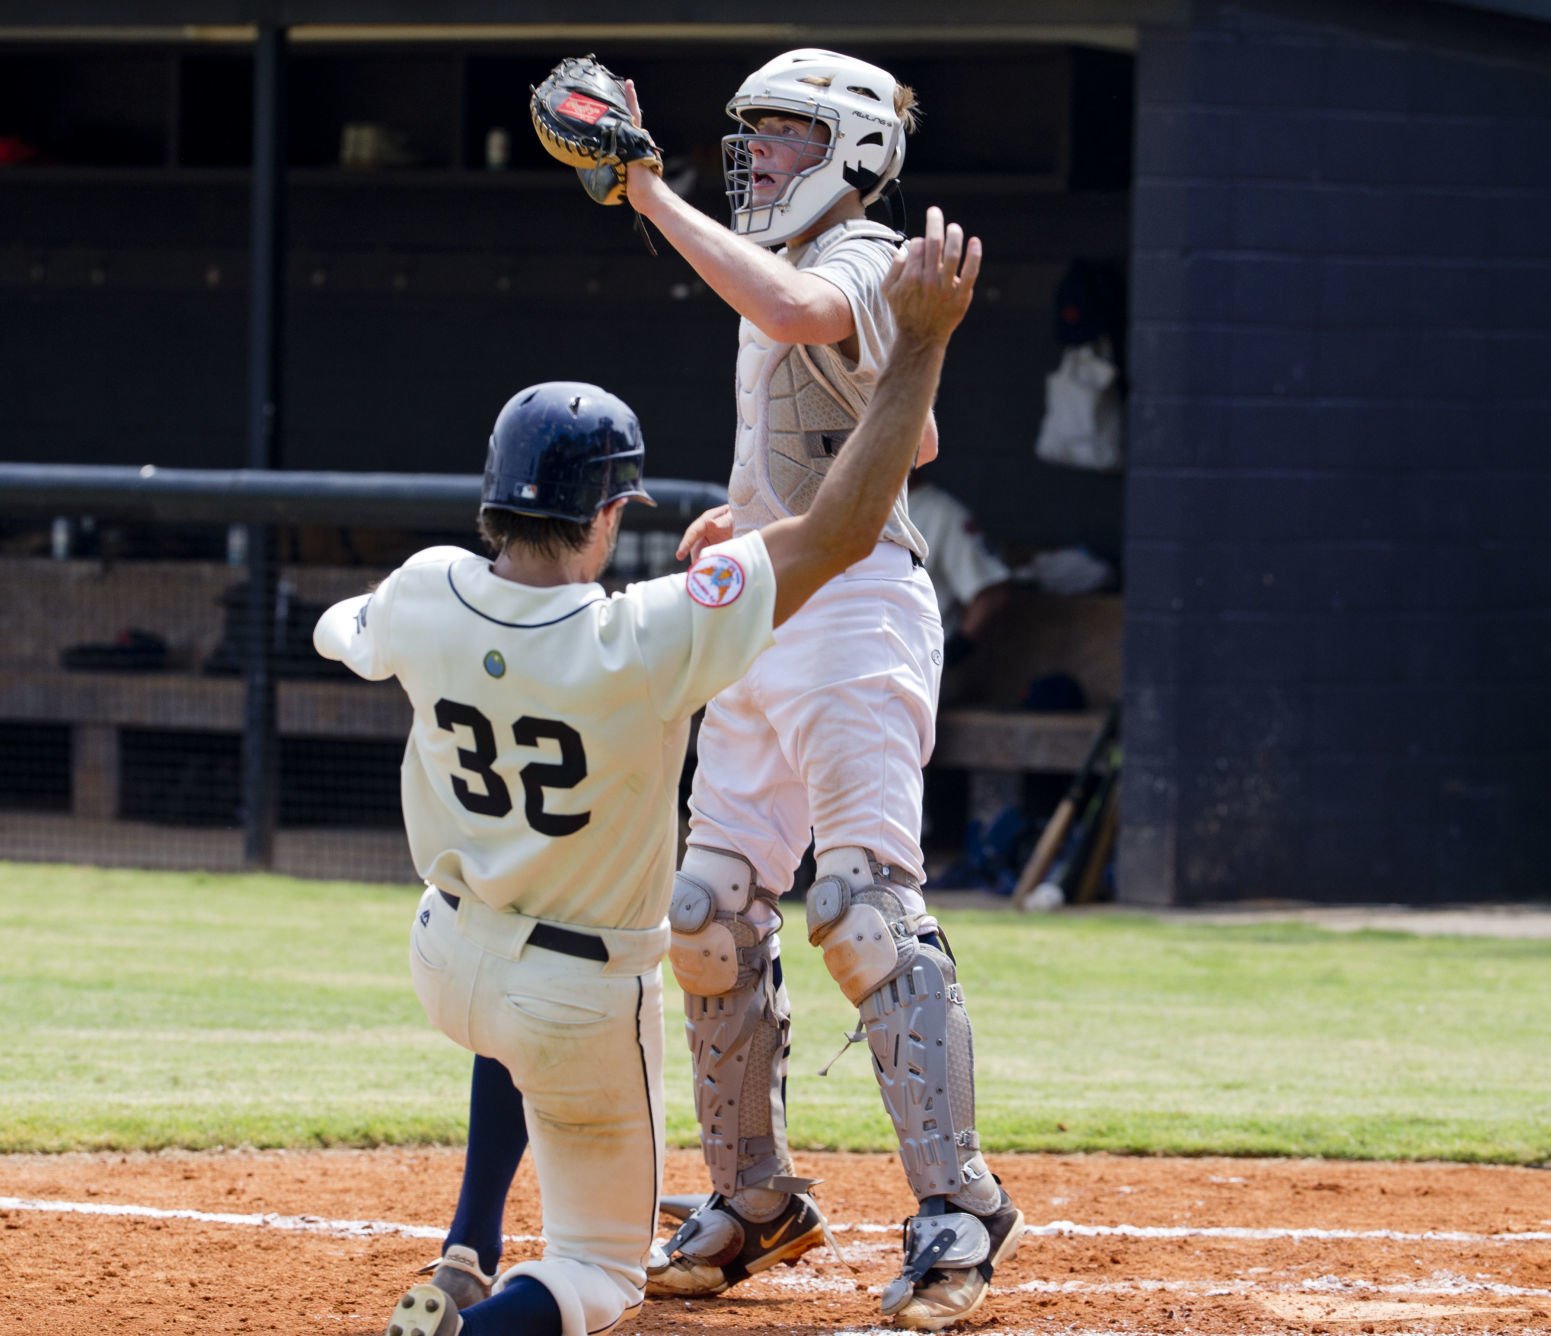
563, 449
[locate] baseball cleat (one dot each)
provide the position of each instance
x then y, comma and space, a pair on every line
948, 1264
716, 1247
458, 1275
425, 1310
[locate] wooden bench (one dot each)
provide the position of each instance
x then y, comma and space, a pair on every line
97, 706
1004, 739
48, 606
983, 727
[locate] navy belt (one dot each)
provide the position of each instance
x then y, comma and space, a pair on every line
552, 937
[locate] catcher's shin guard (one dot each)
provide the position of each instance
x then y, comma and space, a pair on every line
913, 1010
737, 1017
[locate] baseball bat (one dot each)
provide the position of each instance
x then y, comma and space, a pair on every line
1087, 889
1060, 885
1073, 801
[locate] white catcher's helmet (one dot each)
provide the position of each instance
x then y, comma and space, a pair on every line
866, 145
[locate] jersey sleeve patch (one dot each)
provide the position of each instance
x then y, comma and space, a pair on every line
715, 581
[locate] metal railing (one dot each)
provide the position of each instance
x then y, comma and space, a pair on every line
112, 722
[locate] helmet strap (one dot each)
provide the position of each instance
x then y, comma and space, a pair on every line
893, 196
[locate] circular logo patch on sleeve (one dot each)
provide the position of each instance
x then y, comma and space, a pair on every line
715, 581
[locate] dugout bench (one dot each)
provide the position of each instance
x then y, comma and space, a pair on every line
983, 727
98, 706
50, 605
989, 743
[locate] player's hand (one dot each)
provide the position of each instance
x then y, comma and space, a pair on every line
714, 526
932, 281
640, 181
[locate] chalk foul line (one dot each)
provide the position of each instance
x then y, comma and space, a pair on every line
313, 1224
301, 1224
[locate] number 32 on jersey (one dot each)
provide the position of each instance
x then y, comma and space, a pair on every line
494, 798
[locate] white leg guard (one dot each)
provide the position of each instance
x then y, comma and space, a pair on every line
917, 1027
737, 1017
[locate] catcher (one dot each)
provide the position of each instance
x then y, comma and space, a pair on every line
829, 730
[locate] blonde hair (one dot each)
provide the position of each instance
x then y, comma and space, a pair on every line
906, 106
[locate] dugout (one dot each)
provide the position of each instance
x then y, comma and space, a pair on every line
1334, 223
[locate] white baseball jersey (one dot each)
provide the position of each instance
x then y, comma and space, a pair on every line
797, 405
959, 560
543, 764
830, 729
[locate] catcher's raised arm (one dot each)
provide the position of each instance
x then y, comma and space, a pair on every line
582, 116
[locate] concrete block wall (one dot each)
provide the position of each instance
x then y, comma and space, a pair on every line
1338, 507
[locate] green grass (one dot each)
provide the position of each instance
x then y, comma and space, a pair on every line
146, 1010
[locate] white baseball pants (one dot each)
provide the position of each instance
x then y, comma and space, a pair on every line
583, 1041
829, 729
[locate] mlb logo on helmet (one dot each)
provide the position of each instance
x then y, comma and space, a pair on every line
715, 581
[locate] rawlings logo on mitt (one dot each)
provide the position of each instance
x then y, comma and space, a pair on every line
583, 120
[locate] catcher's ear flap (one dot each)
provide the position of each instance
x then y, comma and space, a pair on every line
604, 183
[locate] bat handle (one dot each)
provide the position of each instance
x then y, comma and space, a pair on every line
1044, 851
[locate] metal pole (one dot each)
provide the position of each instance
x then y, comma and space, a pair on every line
418, 501
265, 319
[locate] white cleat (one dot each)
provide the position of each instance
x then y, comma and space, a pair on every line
425, 1310
948, 1275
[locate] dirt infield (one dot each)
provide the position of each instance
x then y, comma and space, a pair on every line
322, 1242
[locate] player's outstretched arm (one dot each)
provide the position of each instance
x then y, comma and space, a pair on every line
929, 289
789, 306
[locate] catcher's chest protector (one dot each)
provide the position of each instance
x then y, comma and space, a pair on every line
796, 407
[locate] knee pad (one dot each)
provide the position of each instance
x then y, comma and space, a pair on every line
720, 917
860, 923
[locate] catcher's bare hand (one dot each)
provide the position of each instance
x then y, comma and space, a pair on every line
932, 281
713, 526
641, 178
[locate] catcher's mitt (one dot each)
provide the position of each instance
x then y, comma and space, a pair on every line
582, 119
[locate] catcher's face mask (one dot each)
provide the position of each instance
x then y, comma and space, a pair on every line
854, 141
762, 169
